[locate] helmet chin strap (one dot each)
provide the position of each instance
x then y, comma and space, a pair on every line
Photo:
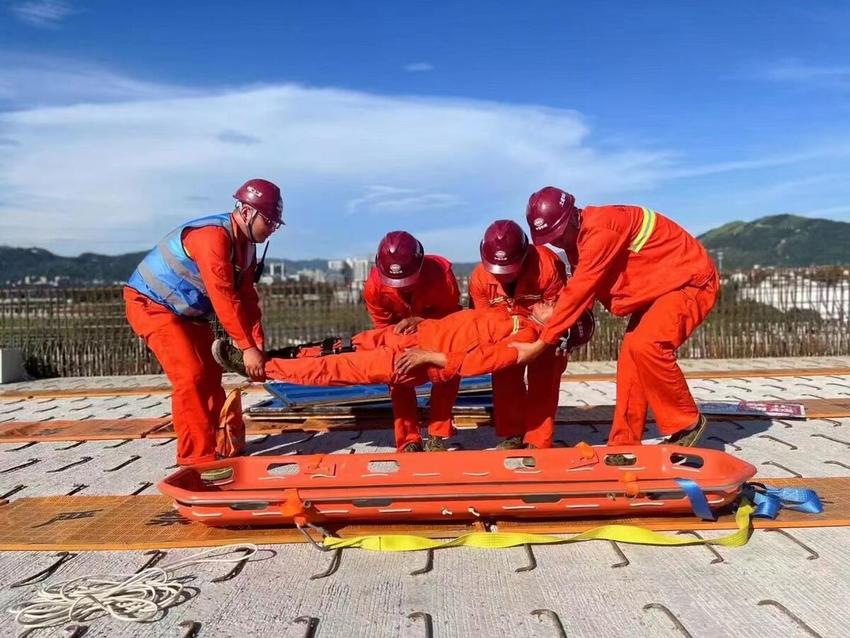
261, 264
250, 227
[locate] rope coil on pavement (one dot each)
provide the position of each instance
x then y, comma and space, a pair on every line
140, 597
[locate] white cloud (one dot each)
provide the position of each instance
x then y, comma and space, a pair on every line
813, 191
28, 80
390, 199
103, 162
235, 137
835, 151
115, 176
457, 242
42, 13
796, 72
418, 67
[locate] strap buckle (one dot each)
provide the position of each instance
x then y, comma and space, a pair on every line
303, 526
563, 344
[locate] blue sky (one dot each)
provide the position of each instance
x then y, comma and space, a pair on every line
119, 119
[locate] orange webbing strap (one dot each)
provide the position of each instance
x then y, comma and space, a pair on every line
230, 435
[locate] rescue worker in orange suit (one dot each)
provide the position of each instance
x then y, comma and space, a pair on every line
635, 262
202, 268
465, 343
404, 288
513, 275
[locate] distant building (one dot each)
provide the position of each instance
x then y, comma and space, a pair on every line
360, 268
336, 265
275, 271
789, 289
339, 272
310, 275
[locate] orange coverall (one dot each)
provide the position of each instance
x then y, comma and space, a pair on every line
474, 341
636, 261
182, 345
519, 411
434, 295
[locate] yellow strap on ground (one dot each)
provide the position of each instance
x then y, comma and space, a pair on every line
498, 540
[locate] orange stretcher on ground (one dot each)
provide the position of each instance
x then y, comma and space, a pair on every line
454, 486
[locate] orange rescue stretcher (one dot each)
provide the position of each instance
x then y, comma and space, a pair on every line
454, 486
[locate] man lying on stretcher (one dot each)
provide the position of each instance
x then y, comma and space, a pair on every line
465, 343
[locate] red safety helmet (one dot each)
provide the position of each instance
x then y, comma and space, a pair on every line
399, 259
504, 247
582, 331
548, 211
264, 197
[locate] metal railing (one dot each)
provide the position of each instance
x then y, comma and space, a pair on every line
760, 313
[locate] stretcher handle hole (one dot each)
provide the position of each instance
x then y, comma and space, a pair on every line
283, 469
542, 498
665, 496
383, 467
687, 460
520, 462
372, 502
248, 506
620, 460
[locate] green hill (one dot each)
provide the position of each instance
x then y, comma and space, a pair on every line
780, 240
17, 263
89, 268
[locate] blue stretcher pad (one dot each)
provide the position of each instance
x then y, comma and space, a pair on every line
294, 395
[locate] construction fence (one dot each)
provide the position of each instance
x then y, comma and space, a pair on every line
760, 313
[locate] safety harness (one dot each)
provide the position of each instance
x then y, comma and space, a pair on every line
321, 348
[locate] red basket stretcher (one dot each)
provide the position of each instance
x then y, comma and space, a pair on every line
454, 486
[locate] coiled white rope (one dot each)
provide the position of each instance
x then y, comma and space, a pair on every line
135, 598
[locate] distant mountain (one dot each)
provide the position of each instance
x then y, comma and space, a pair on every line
780, 240
17, 263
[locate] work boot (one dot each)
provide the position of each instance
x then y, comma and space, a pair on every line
511, 443
415, 446
228, 356
688, 437
435, 444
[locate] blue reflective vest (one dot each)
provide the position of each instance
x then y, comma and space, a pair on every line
168, 276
